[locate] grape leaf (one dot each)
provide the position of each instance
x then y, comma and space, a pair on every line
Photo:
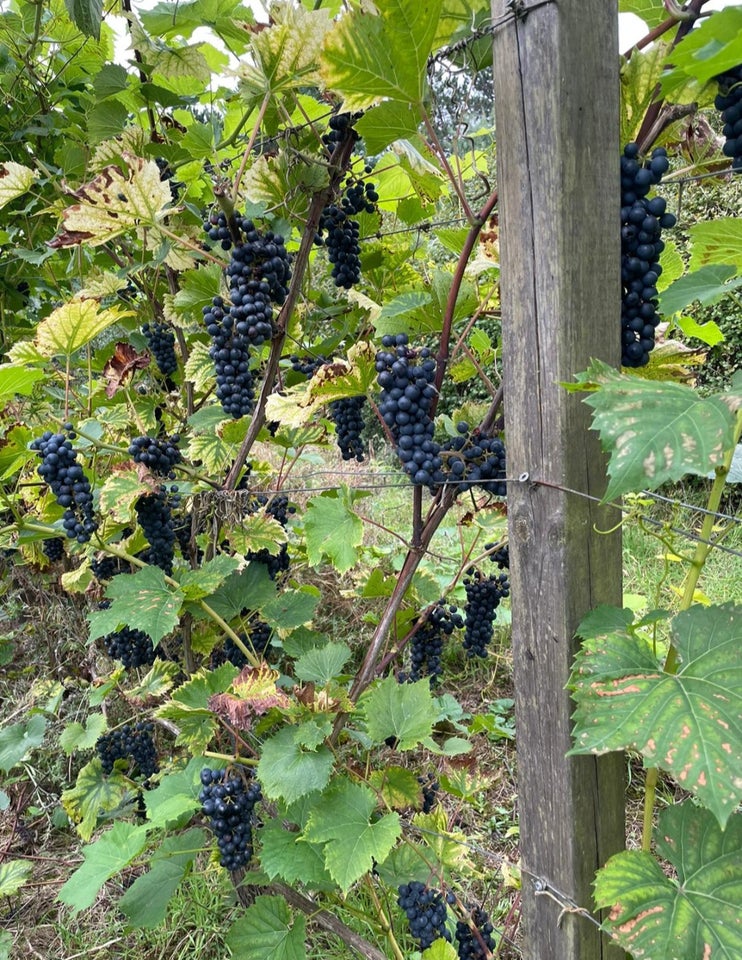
118, 494
405, 711
107, 856
295, 762
76, 737
654, 431
286, 854
370, 56
259, 531
19, 739
74, 325
639, 78
87, 15
94, 793
652, 12
15, 179
440, 949
248, 589
175, 798
697, 914
199, 368
333, 530
398, 786
145, 902
155, 683
716, 242
204, 581
267, 930
713, 47
322, 664
142, 601
13, 875
389, 121
18, 380
708, 333
189, 706
291, 608
689, 723
353, 842
707, 285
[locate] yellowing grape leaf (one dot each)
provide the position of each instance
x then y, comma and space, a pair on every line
15, 179
114, 202
74, 325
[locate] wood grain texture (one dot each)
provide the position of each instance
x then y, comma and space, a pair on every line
556, 106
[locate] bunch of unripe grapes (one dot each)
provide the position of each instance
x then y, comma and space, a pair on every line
642, 222
483, 596
228, 799
64, 475
729, 103
133, 743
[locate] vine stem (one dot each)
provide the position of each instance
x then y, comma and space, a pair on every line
691, 582
340, 160
383, 919
441, 154
250, 144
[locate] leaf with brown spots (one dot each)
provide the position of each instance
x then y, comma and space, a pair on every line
121, 366
695, 916
689, 722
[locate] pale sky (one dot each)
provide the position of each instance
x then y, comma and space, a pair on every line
631, 28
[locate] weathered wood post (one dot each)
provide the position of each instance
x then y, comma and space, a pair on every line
556, 107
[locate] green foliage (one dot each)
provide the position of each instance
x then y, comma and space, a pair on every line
268, 931
19, 739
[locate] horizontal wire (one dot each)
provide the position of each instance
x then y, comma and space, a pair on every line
690, 506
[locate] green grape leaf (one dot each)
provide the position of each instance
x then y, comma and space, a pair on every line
199, 368
18, 380
689, 723
440, 949
175, 798
145, 902
389, 121
203, 582
142, 601
73, 325
450, 847
76, 737
155, 683
333, 530
259, 531
15, 180
341, 819
19, 739
405, 711
287, 855
94, 793
104, 858
708, 333
322, 664
118, 495
189, 706
716, 242
707, 285
406, 862
87, 15
713, 47
291, 608
279, 182
654, 431
694, 914
639, 78
268, 930
398, 786
115, 202
197, 290
251, 588
652, 12
673, 266
212, 451
294, 762
371, 56
13, 875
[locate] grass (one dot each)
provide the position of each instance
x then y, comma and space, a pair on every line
46, 661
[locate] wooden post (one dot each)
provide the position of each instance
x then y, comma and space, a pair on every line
556, 108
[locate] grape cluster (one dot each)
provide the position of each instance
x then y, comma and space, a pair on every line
161, 343
430, 788
217, 229
64, 475
426, 912
501, 556
347, 415
132, 647
53, 549
258, 274
341, 231
107, 567
474, 458
158, 455
155, 518
279, 508
340, 128
483, 596
258, 640
475, 945
133, 743
729, 102
427, 642
167, 176
307, 365
407, 393
642, 222
228, 800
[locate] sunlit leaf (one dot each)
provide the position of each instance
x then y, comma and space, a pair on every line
74, 325
15, 180
268, 930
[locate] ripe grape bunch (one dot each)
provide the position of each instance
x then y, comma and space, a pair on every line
426, 912
475, 458
729, 102
341, 231
475, 942
132, 647
341, 127
228, 800
483, 596
427, 642
347, 415
429, 789
53, 549
407, 393
155, 518
64, 475
258, 274
501, 556
161, 342
642, 222
129, 743
159, 455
